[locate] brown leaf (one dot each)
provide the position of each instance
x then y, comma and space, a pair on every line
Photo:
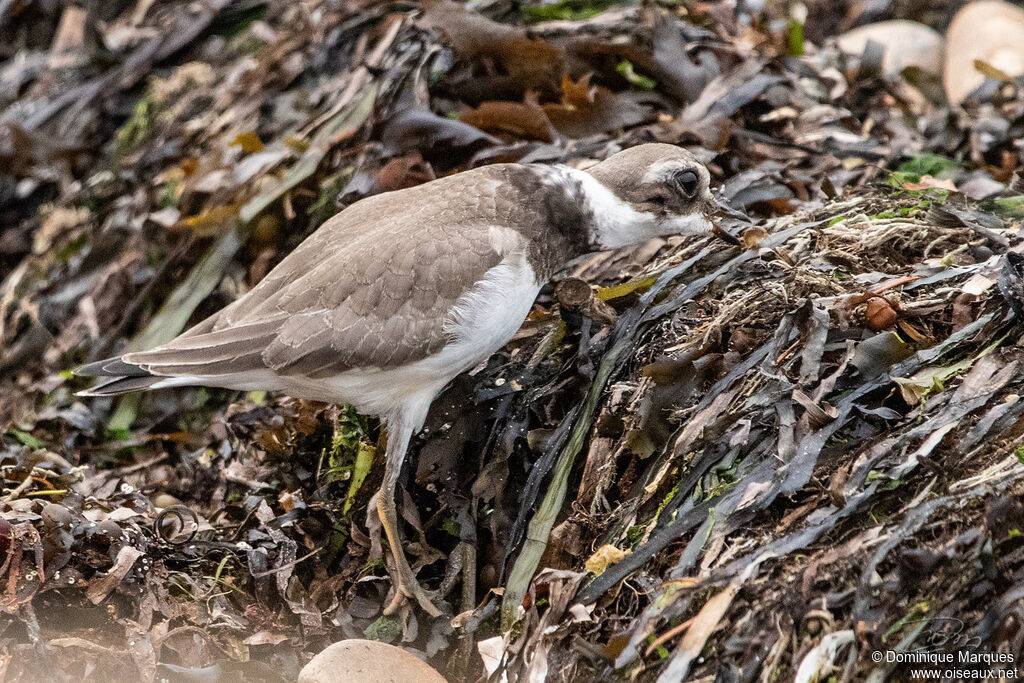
522, 120
880, 315
211, 221
818, 414
532, 63
22, 149
992, 72
598, 471
402, 172
963, 311
588, 109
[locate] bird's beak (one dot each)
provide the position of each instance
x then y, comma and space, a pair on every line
722, 210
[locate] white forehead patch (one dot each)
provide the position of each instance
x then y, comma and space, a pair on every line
663, 170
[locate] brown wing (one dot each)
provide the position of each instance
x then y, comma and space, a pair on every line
370, 288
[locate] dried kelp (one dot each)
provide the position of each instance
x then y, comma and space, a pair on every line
749, 463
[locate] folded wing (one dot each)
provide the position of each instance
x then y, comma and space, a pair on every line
371, 288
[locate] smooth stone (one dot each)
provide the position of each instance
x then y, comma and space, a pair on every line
367, 661
989, 30
906, 43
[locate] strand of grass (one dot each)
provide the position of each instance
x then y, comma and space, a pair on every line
360, 469
540, 526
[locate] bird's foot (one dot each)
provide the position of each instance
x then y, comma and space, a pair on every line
406, 586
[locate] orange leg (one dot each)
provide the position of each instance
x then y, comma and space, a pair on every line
406, 585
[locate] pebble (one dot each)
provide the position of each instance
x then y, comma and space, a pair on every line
367, 661
906, 43
989, 30
165, 500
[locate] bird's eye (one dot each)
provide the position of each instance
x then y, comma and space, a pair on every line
688, 182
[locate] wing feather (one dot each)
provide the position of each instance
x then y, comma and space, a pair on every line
371, 288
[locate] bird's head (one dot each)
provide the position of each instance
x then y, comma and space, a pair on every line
656, 190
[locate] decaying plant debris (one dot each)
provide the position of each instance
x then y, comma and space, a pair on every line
750, 463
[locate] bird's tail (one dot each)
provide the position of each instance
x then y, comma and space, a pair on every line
115, 376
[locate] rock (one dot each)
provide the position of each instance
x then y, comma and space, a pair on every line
367, 661
989, 30
906, 43
165, 500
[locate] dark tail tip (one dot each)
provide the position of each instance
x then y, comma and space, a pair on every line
110, 367
120, 385
116, 377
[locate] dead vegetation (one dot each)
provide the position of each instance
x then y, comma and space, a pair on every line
736, 464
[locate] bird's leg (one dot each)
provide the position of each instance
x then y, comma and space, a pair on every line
406, 585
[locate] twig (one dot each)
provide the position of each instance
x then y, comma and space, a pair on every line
286, 565
19, 489
668, 635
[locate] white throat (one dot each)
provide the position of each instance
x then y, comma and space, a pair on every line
617, 224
